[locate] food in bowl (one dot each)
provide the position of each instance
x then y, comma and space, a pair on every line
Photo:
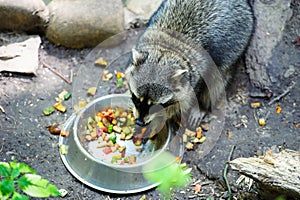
112, 137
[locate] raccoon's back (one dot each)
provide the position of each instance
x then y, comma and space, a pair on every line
222, 27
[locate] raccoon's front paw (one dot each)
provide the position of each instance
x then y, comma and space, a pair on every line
193, 119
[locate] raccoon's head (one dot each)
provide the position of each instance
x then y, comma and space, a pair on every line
155, 81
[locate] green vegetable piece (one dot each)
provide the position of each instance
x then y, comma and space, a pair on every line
127, 130
202, 139
126, 160
113, 138
128, 121
90, 120
63, 149
48, 111
114, 160
110, 128
119, 82
67, 95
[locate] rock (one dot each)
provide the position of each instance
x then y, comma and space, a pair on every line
143, 9
79, 23
289, 72
265, 38
23, 15
21, 57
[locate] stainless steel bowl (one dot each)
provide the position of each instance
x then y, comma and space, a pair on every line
102, 175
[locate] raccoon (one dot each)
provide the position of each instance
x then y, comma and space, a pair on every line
184, 58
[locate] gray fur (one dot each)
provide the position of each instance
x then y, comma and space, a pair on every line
169, 63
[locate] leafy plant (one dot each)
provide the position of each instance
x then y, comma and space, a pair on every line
166, 171
16, 177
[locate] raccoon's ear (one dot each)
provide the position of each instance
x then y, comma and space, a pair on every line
138, 57
179, 73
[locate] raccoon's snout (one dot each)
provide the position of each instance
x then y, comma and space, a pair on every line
140, 122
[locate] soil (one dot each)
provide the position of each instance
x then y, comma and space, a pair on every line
25, 138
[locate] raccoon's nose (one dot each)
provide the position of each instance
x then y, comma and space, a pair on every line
140, 122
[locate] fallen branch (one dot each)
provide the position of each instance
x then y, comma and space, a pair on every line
57, 73
276, 173
283, 94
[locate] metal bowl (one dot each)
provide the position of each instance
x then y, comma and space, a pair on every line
102, 175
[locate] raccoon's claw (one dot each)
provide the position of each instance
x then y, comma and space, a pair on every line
195, 119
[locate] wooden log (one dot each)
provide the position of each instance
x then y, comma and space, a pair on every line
276, 173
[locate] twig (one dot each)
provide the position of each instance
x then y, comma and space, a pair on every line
225, 172
57, 73
2, 109
283, 94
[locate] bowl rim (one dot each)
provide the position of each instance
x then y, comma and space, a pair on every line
68, 126
89, 156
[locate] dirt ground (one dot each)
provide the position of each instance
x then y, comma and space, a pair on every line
24, 136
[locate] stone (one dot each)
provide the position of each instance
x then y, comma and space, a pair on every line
79, 23
23, 15
265, 38
143, 9
22, 56
289, 72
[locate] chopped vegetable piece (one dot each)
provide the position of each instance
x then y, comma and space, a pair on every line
255, 105
100, 62
119, 82
117, 129
107, 150
67, 96
58, 106
54, 129
199, 132
63, 192
138, 143
278, 109
132, 159
189, 145
63, 149
110, 128
262, 122
65, 133
201, 140
197, 188
92, 91
61, 96
48, 111
113, 138
119, 75
81, 104
126, 130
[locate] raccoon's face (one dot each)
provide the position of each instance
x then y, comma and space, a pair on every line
153, 80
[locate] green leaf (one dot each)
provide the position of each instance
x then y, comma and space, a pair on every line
26, 169
54, 191
167, 172
4, 169
15, 173
23, 182
18, 196
35, 186
7, 187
